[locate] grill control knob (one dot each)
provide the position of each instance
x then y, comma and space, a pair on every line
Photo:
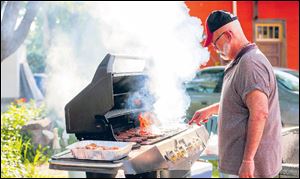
178, 153
171, 155
182, 152
196, 143
190, 147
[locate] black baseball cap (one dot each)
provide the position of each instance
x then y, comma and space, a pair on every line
216, 20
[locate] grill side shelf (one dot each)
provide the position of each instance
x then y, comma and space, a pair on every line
66, 161
97, 167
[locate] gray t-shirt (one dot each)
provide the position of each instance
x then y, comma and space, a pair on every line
252, 71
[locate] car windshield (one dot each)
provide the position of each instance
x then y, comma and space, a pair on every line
207, 81
289, 81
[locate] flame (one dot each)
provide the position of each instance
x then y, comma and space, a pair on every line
146, 121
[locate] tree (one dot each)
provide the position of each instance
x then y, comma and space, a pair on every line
12, 37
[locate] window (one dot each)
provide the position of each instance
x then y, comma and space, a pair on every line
268, 32
209, 81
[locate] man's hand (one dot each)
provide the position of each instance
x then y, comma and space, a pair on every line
199, 117
247, 169
202, 115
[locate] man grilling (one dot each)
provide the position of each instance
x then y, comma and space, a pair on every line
249, 126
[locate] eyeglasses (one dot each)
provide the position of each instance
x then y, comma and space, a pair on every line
215, 42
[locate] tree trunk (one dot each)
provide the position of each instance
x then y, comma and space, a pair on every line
12, 39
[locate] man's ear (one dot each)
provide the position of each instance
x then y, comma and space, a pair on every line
229, 35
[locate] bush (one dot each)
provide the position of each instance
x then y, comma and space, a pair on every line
215, 172
18, 156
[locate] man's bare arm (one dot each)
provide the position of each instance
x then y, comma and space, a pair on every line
257, 103
202, 114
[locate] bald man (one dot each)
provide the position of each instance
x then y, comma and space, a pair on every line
249, 125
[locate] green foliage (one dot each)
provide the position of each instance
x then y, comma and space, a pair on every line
18, 155
37, 158
35, 155
36, 51
72, 139
215, 172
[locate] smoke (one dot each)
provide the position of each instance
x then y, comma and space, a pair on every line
72, 60
64, 77
163, 31
168, 34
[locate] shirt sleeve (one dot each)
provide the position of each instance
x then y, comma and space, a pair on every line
253, 75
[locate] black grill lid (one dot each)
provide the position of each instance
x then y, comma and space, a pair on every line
104, 98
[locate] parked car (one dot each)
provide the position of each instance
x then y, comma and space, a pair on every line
205, 89
288, 70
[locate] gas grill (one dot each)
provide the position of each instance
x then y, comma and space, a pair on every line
109, 107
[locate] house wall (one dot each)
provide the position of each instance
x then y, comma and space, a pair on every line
284, 10
288, 11
10, 74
